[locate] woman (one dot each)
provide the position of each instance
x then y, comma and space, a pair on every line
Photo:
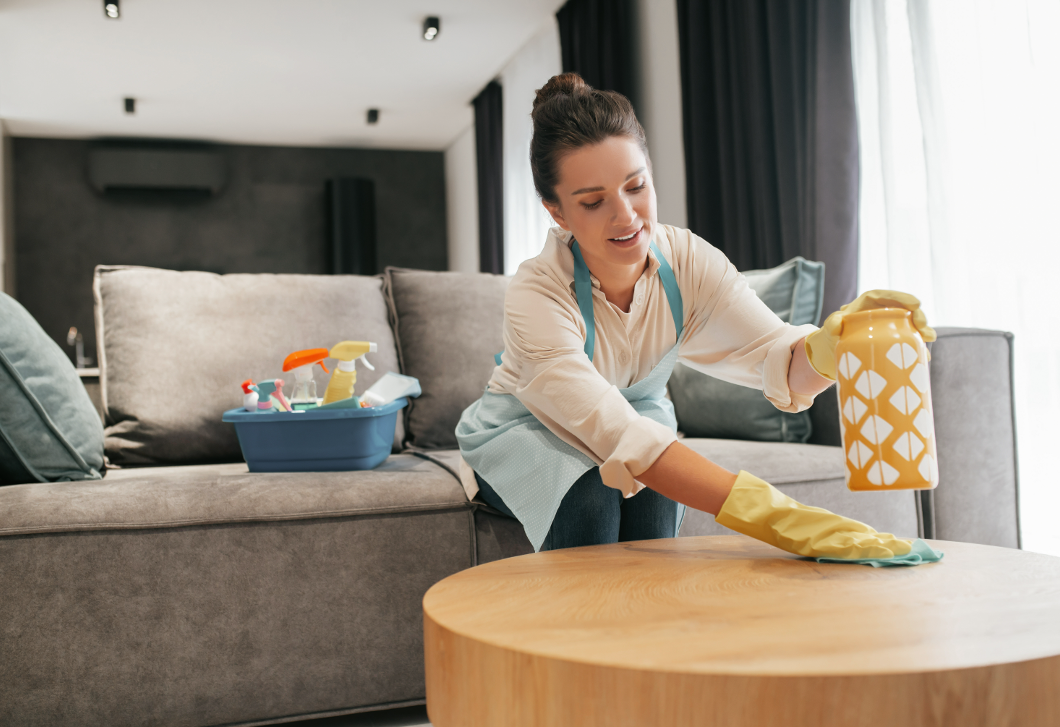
574, 435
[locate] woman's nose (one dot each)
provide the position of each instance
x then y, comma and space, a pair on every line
625, 213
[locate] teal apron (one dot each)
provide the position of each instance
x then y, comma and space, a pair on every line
528, 466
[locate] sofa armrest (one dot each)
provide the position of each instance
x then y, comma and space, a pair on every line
824, 418
977, 500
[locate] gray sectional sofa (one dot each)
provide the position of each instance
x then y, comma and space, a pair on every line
183, 590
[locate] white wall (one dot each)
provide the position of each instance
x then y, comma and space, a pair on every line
659, 108
7, 237
461, 202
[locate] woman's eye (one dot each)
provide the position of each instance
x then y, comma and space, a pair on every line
592, 206
637, 189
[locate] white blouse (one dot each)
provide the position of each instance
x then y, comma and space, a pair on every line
729, 334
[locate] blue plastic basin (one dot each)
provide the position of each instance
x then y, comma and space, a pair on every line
316, 440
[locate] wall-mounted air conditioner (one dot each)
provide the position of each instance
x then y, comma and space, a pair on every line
153, 168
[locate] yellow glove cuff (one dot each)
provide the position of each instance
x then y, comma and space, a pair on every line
820, 351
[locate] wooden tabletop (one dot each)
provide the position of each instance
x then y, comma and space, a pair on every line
731, 607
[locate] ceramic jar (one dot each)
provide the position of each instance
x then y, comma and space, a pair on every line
885, 403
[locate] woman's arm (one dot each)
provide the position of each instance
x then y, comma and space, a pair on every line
689, 478
802, 378
730, 333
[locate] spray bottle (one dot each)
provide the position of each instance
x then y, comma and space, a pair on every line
304, 395
345, 374
250, 395
268, 389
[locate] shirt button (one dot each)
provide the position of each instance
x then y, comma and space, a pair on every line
640, 299
623, 357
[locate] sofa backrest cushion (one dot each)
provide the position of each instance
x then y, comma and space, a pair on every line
793, 290
174, 347
49, 428
448, 326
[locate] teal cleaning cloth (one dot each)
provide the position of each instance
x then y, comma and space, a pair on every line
921, 553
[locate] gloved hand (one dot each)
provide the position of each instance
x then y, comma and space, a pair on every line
756, 508
820, 345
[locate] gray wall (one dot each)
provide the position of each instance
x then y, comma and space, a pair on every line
270, 217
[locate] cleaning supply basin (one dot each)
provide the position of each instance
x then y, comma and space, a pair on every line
316, 440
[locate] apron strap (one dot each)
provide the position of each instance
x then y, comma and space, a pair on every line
673, 293
583, 288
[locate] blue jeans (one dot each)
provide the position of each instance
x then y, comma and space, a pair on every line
592, 513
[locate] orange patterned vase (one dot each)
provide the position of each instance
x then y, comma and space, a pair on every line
885, 403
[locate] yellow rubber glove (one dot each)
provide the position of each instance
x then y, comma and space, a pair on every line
820, 345
756, 508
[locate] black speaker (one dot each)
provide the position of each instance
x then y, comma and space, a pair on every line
351, 215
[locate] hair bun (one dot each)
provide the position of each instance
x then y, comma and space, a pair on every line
565, 84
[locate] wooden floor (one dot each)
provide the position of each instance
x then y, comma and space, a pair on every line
404, 717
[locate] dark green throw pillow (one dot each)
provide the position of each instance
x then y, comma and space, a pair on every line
49, 429
709, 407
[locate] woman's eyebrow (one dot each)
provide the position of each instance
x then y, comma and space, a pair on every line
583, 190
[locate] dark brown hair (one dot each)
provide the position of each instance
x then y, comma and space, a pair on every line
569, 114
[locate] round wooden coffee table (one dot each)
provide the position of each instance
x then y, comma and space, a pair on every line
728, 631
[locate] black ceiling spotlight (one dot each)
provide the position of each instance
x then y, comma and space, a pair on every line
373, 116
431, 27
130, 105
111, 9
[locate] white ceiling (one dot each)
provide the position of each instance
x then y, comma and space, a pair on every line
286, 72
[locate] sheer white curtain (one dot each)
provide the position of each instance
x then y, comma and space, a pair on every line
959, 119
526, 222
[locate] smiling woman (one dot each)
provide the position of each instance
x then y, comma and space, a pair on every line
615, 222
574, 436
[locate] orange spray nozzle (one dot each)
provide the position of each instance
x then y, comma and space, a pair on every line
308, 356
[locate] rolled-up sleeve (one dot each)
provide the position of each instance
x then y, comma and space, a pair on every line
730, 333
544, 337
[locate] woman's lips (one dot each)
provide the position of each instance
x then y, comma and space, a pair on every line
631, 242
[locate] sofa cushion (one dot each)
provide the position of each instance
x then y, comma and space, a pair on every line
174, 347
778, 463
49, 428
448, 327
793, 290
205, 595
167, 497
709, 407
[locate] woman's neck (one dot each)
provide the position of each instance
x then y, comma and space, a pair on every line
617, 281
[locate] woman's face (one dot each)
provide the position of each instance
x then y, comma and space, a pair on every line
607, 200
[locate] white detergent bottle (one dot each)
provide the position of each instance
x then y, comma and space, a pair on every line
390, 387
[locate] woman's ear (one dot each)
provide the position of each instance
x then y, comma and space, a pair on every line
557, 216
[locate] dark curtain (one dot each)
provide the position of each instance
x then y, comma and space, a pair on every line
770, 131
489, 149
596, 42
